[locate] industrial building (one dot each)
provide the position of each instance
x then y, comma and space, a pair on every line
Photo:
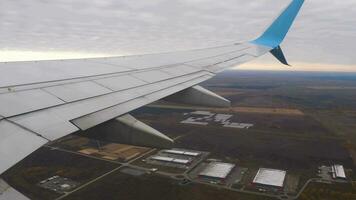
176, 158
217, 170
270, 177
171, 160
338, 172
181, 152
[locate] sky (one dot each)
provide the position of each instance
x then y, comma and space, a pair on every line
323, 37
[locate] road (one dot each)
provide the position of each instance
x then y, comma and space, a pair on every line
104, 175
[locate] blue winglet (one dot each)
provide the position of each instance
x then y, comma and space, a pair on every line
275, 34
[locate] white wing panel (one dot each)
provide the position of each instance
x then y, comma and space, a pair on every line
230, 63
217, 59
77, 91
179, 70
21, 73
47, 123
15, 144
152, 76
22, 102
120, 82
9, 193
166, 59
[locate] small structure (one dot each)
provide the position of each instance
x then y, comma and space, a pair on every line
217, 170
270, 177
238, 125
338, 172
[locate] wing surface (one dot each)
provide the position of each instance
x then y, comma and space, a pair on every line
42, 101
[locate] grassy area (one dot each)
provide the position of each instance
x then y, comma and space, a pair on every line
149, 187
45, 163
319, 191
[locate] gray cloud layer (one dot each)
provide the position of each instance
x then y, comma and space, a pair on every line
325, 32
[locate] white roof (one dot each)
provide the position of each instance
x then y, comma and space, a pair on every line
191, 153
65, 186
199, 112
161, 158
339, 171
217, 169
272, 177
192, 121
174, 151
169, 159
181, 161
180, 152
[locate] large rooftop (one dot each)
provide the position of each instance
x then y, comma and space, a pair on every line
271, 177
169, 159
338, 171
180, 152
217, 170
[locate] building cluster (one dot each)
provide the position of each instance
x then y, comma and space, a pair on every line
218, 172
58, 184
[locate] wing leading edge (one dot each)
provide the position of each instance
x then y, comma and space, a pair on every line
46, 100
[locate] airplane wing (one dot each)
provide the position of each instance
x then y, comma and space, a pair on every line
41, 101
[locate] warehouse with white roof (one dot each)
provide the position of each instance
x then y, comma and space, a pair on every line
217, 170
270, 177
181, 152
338, 172
171, 160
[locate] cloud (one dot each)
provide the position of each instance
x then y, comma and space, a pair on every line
325, 31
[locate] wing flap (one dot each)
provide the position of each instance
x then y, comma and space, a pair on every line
16, 103
77, 91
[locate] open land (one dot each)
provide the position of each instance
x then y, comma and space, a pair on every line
300, 122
